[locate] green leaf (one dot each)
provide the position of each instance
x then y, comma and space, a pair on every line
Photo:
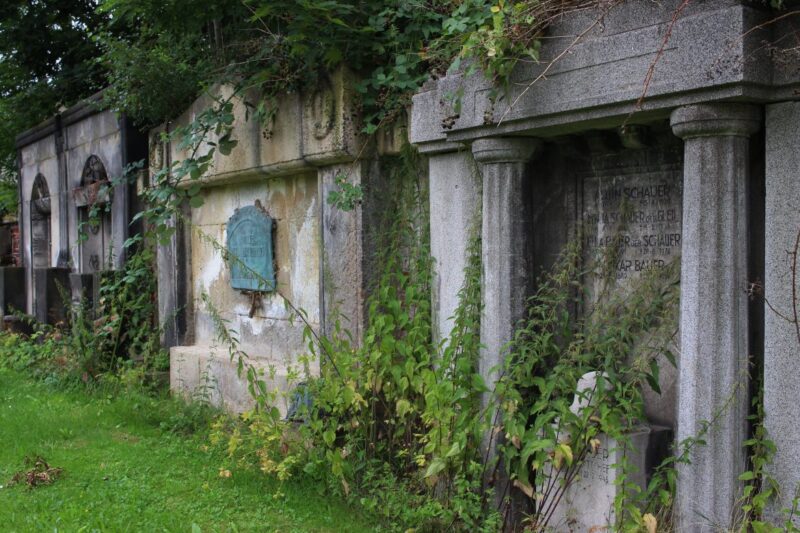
478, 385
747, 476
329, 436
403, 407
196, 201
436, 466
652, 377
226, 144
454, 450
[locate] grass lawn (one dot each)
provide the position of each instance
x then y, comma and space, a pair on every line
122, 473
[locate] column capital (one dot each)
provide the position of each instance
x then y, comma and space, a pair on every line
505, 149
717, 119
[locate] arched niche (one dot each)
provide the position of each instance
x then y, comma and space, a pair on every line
92, 200
40, 223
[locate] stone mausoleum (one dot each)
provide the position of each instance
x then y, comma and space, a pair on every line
689, 112
67, 168
266, 204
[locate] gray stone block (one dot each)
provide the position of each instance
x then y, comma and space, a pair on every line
715, 52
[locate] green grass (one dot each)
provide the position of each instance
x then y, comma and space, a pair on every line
123, 473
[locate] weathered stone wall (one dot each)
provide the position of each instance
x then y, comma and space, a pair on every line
292, 202
322, 254
273, 335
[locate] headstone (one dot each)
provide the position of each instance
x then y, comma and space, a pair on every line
587, 387
40, 223
587, 503
250, 250
84, 290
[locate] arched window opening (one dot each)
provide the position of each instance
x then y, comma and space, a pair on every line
40, 223
92, 199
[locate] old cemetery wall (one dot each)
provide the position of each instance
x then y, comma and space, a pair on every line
656, 153
66, 167
265, 252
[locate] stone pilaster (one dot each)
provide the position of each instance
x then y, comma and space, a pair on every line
173, 260
714, 323
63, 259
455, 203
342, 280
506, 245
781, 339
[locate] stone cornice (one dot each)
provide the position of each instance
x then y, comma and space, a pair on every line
715, 53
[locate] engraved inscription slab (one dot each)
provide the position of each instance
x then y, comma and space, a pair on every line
587, 504
635, 211
40, 242
249, 234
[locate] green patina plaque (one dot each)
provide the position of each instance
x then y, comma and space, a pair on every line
250, 248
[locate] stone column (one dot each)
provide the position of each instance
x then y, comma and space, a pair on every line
506, 246
712, 373
782, 291
455, 203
